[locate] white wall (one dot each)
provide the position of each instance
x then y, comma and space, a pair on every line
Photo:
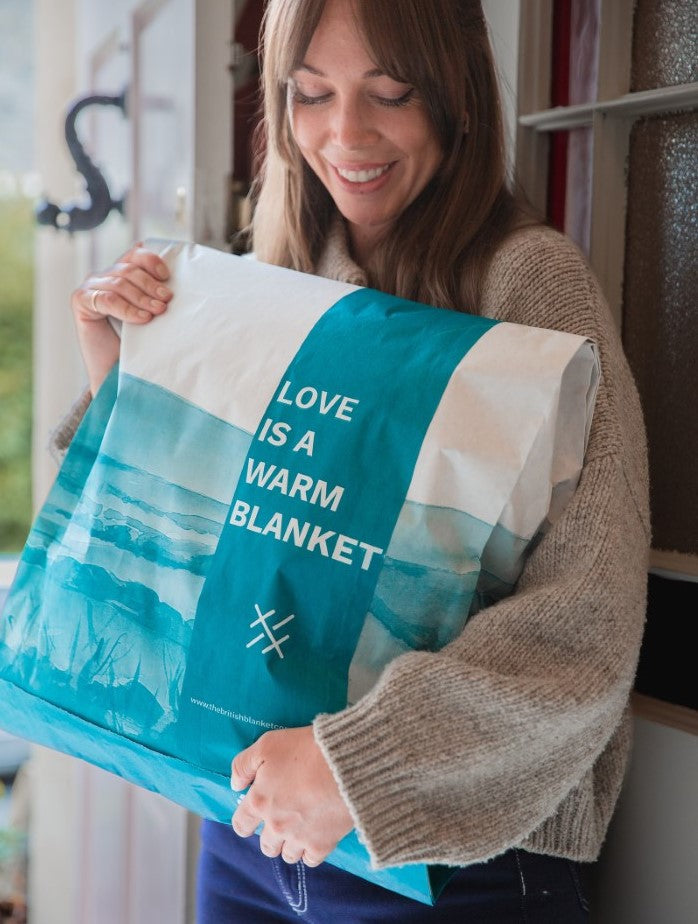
58, 368
648, 872
503, 22
59, 377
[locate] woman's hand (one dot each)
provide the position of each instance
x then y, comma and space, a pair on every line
293, 792
132, 290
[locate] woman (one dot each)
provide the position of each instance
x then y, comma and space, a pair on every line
384, 166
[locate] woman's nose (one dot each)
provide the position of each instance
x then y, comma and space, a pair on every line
354, 124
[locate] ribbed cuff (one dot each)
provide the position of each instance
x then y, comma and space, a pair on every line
361, 753
61, 438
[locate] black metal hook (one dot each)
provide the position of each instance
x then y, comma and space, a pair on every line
72, 216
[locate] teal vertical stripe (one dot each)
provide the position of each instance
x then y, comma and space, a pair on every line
313, 512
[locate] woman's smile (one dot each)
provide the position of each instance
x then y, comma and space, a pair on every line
366, 135
363, 178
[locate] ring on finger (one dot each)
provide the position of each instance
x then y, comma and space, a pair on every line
93, 300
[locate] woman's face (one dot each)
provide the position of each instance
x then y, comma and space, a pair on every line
367, 137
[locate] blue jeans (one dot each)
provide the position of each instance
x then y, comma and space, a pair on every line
237, 884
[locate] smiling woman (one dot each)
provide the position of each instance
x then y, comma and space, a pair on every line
396, 143
367, 135
500, 756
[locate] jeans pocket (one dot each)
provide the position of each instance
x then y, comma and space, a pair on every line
578, 885
551, 890
291, 878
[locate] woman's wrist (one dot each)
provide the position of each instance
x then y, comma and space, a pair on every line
100, 347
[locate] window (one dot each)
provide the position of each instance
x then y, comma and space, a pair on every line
607, 147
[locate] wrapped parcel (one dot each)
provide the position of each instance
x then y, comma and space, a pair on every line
288, 482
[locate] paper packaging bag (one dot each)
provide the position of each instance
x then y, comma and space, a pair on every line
288, 482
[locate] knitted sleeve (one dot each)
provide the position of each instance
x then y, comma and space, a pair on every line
61, 438
516, 733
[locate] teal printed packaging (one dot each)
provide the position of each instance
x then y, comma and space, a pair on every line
288, 482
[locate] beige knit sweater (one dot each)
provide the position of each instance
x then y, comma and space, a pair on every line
517, 733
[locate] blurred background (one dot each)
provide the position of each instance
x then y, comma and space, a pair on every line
18, 191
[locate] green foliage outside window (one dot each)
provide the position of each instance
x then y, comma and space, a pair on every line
16, 301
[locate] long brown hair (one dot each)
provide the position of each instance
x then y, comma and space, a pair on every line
439, 247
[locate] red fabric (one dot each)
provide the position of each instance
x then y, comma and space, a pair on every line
246, 99
247, 24
560, 95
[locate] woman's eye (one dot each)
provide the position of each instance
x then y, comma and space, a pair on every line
396, 100
304, 99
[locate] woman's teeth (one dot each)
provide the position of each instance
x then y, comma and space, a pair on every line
362, 176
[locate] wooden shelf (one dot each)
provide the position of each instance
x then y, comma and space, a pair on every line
656, 710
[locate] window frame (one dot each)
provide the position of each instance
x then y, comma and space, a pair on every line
611, 116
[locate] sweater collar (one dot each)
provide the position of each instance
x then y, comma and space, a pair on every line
335, 261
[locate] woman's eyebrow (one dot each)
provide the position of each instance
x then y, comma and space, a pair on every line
303, 66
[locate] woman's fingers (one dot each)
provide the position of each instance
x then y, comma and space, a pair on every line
133, 290
121, 298
128, 291
154, 265
270, 847
142, 279
292, 793
291, 854
310, 859
245, 821
101, 303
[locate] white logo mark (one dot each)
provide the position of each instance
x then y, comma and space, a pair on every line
275, 643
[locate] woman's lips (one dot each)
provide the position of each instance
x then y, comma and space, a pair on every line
366, 177
363, 174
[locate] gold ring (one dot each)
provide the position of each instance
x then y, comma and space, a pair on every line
93, 300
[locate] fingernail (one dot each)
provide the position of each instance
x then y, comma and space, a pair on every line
162, 292
142, 313
158, 306
162, 271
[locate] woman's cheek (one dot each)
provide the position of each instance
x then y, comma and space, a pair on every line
303, 130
